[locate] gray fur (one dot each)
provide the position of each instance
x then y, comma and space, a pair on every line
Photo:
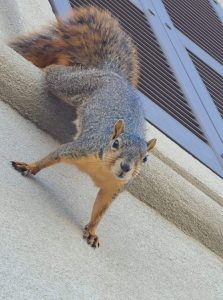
101, 98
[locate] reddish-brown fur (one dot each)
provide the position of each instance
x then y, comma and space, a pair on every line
89, 37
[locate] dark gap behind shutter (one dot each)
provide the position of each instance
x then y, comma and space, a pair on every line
199, 22
157, 81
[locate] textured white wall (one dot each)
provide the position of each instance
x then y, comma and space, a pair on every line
18, 16
42, 253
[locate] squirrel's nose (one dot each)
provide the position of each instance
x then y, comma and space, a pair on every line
125, 167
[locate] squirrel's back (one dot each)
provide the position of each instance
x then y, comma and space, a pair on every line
88, 37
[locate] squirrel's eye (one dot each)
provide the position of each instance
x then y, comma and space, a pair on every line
115, 144
145, 158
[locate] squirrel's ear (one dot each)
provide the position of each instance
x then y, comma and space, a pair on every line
118, 128
151, 144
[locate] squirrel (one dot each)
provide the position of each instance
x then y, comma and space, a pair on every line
91, 63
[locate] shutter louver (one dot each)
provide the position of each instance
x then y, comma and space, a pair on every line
199, 22
157, 81
212, 80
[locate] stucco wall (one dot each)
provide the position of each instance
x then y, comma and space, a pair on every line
23, 16
173, 182
42, 253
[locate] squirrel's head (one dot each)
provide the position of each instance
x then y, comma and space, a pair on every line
126, 153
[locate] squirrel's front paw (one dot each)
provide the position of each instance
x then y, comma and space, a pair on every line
23, 168
92, 239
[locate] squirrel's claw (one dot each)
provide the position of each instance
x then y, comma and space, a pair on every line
92, 239
23, 168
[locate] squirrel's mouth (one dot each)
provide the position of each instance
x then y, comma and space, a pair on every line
121, 175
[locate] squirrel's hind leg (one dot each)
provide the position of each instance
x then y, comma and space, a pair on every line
104, 199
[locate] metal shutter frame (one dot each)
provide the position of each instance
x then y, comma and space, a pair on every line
217, 8
203, 55
197, 94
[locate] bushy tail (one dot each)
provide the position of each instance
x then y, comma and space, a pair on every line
89, 37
